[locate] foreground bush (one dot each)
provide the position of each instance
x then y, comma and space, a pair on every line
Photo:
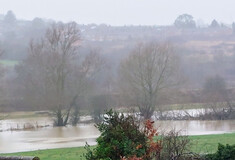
224, 152
122, 138
174, 146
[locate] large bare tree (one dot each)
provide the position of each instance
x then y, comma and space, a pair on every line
54, 74
149, 69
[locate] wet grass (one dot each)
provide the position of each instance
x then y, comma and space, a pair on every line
75, 153
200, 144
9, 63
17, 115
209, 143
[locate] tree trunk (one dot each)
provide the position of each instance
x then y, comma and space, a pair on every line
146, 112
65, 122
59, 120
75, 115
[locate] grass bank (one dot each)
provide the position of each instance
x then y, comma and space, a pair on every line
209, 143
9, 63
200, 144
18, 115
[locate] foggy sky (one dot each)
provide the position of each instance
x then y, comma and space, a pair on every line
121, 12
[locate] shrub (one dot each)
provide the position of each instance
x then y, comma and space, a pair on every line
174, 145
224, 152
122, 138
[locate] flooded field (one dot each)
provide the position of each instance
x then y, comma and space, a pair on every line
45, 138
73, 136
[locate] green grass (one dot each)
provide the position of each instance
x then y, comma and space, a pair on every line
56, 154
30, 114
209, 143
17, 115
200, 144
9, 63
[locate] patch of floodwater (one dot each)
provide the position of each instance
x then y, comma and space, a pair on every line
37, 122
55, 137
14, 124
61, 137
196, 127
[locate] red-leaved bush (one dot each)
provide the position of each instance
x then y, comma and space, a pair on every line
123, 137
153, 147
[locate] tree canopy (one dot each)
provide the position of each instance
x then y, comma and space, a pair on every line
185, 21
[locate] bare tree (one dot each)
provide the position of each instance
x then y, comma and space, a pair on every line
148, 70
217, 97
53, 75
84, 77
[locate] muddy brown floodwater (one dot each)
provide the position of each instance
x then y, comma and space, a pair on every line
61, 137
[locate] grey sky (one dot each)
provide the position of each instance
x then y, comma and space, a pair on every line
121, 12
